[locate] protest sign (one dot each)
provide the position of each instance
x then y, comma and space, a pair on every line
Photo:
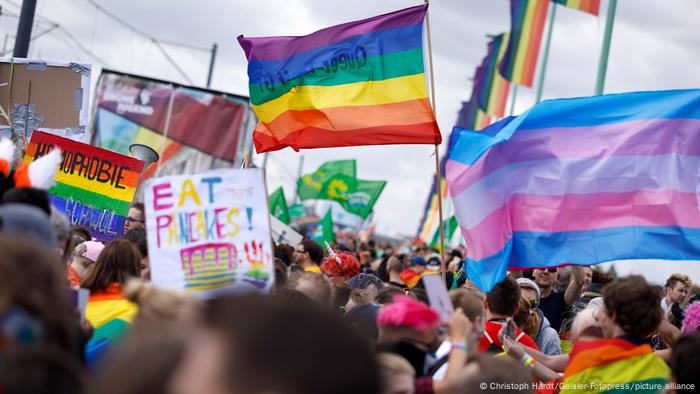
209, 231
94, 187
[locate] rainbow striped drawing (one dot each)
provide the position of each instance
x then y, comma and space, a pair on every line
358, 83
527, 20
209, 266
94, 186
580, 181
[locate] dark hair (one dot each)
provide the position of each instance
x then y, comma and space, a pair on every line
362, 281
386, 294
341, 295
139, 206
30, 196
504, 371
118, 261
314, 250
395, 264
470, 303
674, 279
504, 297
601, 277
82, 232
280, 273
285, 253
46, 369
315, 343
684, 361
32, 279
634, 305
137, 236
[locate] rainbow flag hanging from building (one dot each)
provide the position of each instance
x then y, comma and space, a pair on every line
580, 181
359, 83
94, 187
527, 21
589, 6
493, 94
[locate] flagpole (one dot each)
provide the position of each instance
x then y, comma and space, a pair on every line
513, 93
437, 146
545, 55
603, 62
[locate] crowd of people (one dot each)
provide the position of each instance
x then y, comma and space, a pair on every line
356, 321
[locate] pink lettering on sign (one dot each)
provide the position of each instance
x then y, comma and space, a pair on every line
161, 192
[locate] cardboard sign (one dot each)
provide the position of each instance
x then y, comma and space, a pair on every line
209, 231
437, 296
94, 186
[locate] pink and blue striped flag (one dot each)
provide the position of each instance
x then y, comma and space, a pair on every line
580, 181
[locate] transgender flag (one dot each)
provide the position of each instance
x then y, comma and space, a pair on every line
580, 181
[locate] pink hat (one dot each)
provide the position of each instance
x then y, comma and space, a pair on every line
93, 250
406, 312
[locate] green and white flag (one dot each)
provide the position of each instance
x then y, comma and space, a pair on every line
356, 196
278, 206
324, 231
449, 227
309, 186
296, 211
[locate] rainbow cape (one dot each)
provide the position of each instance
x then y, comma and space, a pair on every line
359, 83
111, 315
614, 365
580, 181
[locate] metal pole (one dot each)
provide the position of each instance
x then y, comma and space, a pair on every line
543, 66
603, 62
211, 64
513, 93
24, 28
296, 187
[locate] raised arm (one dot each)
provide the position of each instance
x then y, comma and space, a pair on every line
573, 292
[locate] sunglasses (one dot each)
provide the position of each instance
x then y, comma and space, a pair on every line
533, 303
550, 270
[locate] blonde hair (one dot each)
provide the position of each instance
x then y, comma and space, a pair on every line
360, 296
392, 364
585, 318
158, 305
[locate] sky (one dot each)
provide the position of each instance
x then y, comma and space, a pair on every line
655, 46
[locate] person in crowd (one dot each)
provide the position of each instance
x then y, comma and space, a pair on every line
684, 364
315, 286
367, 282
546, 338
84, 257
410, 329
27, 220
691, 319
387, 293
39, 371
395, 266
676, 290
108, 310
552, 303
630, 312
135, 218
396, 373
159, 306
240, 349
281, 276
309, 255
528, 320
412, 273
81, 234
501, 305
285, 253
61, 230
358, 297
495, 375
137, 236
30, 196
340, 267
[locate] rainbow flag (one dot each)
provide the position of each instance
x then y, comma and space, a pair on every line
94, 186
359, 83
617, 365
527, 20
580, 181
493, 94
589, 6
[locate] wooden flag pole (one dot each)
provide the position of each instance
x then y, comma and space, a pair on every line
437, 146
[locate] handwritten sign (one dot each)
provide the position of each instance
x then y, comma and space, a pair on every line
94, 186
209, 231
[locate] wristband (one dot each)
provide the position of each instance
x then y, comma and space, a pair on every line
524, 358
459, 346
530, 363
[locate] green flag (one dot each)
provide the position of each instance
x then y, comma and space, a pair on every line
296, 211
278, 206
324, 231
309, 186
356, 196
449, 227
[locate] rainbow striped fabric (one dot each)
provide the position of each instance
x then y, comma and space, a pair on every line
359, 83
94, 187
614, 365
527, 21
580, 181
111, 314
589, 6
493, 92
